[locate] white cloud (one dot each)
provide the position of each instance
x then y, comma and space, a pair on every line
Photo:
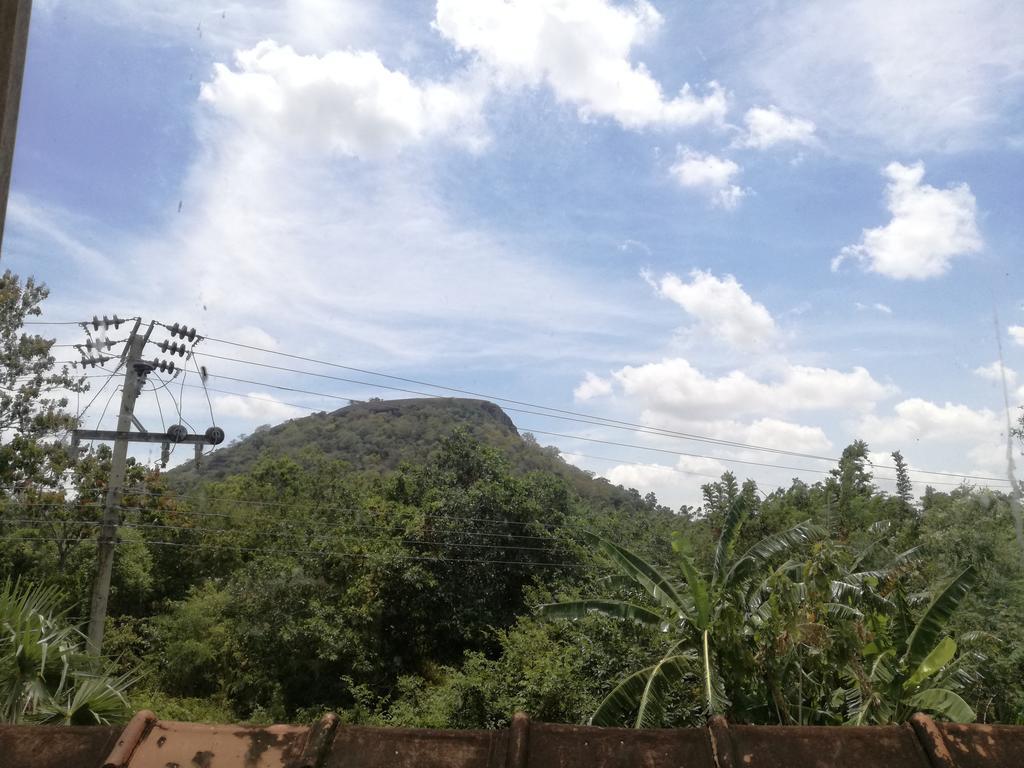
919, 419
582, 50
57, 228
1017, 334
776, 433
592, 386
344, 102
914, 76
995, 372
767, 127
273, 232
721, 306
255, 408
674, 485
768, 432
675, 387
929, 228
885, 309
710, 174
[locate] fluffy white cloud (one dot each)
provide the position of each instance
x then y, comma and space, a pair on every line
776, 433
768, 432
581, 49
995, 372
769, 126
255, 408
674, 485
592, 386
929, 228
710, 174
1017, 334
914, 76
675, 387
344, 102
918, 419
722, 308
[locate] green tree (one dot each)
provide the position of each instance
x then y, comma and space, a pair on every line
33, 396
904, 488
848, 482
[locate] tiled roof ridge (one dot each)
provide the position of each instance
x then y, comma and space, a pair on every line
148, 742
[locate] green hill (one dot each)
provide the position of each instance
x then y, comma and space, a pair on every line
380, 435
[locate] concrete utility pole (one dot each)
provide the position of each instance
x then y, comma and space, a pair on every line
136, 371
134, 377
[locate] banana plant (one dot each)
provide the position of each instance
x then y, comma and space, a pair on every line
907, 667
811, 612
699, 610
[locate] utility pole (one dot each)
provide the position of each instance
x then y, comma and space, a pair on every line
136, 371
134, 377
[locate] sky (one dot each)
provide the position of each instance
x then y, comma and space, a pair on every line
780, 225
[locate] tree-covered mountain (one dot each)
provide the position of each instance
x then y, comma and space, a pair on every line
379, 435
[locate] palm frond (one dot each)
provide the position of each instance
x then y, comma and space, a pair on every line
92, 700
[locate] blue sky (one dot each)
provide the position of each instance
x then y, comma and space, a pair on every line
779, 224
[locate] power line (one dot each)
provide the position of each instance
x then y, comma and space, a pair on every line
108, 379
332, 553
243, 503
723, 459
726, 460
363, 539
318, 525
290, 534
677, 453
557, 434
597, 420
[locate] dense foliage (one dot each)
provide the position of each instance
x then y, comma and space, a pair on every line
399, 564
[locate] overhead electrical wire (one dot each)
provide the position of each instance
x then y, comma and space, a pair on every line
723, 459
556, 413
576, 417
593, 419
242, 504
108, 378
293, 531
334, 553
